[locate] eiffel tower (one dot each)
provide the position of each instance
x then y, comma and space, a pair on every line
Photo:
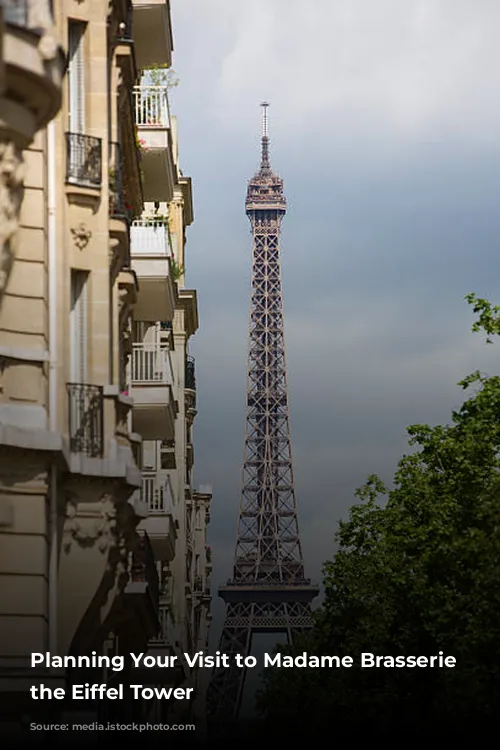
268, 592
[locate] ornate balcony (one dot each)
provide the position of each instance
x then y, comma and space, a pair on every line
151, 382
85, 410
152, 117
160, 524
142, 593
83, 160
151, 253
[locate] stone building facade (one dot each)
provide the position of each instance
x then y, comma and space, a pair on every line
102, 533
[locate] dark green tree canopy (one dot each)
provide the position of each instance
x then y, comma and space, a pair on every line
417, 572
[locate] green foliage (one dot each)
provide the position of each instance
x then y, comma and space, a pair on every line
161, 75
417, 571
489, 316
177, 270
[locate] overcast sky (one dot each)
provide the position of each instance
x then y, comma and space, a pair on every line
385, 125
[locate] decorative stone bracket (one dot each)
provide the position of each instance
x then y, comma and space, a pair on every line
90, 523
81, 235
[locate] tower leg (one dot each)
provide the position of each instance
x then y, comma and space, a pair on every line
226, 688
242, 621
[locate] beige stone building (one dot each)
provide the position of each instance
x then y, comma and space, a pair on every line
102, 534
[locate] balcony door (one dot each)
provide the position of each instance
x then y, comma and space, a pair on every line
76, 76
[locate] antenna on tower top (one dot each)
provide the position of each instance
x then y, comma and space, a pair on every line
264, 162
264, 106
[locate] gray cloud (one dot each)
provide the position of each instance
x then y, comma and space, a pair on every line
384, 124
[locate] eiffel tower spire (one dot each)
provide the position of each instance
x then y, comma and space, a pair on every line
268, 591
265, 166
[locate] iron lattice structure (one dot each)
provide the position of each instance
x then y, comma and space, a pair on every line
268, 591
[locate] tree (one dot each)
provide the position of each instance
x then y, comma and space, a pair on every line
417, 572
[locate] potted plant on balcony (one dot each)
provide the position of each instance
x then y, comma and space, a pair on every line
161, 75
177, 270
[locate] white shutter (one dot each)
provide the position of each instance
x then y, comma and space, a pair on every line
76, 76
78, 327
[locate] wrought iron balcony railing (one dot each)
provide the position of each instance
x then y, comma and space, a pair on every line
143, 567
83, 160
86, 433
190, 378
151, 364
208, 553
151, 106
117, 206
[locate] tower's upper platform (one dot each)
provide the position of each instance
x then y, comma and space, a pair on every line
265, 189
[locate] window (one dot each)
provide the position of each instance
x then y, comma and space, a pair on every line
76, 76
